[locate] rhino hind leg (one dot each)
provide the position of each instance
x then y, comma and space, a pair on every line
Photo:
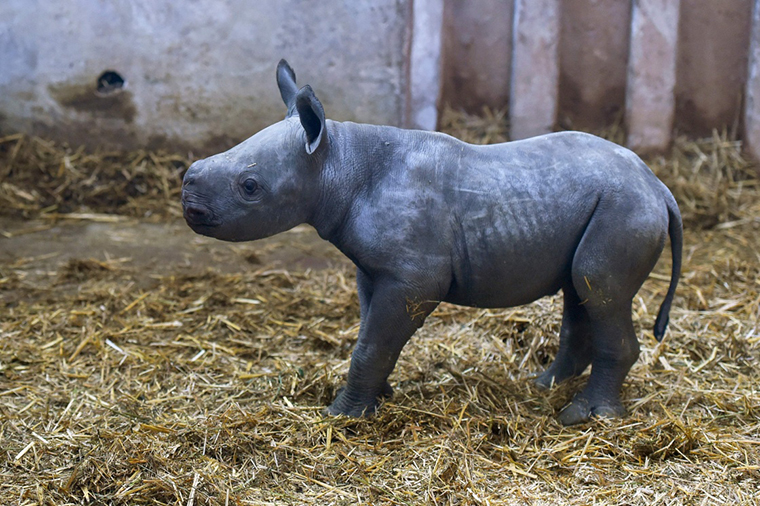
615, 350
611, 263
574, 354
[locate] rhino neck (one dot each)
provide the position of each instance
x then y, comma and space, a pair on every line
351, 163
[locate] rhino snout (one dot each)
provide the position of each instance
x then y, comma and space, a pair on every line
196, 211
197, 214
194, 173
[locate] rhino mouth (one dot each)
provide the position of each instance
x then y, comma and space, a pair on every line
198, 215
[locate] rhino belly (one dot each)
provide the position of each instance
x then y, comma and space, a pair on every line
492, 269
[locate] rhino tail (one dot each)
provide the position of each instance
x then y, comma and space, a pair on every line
675, 231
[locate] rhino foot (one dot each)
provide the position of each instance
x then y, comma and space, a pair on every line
548, 379
545, 381
582, 410
357, 406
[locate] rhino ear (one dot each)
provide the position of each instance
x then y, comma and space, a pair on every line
312, 117
286, 81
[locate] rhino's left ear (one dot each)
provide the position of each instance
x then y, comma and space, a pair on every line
312, 117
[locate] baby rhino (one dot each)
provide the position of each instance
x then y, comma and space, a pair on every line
428, 218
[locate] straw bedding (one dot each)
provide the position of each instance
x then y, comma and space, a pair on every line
125, 386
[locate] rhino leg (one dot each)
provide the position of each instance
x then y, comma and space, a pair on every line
391, 317
608, 269
615, 350
574, 353
364, 289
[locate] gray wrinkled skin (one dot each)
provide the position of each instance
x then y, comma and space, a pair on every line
428, 218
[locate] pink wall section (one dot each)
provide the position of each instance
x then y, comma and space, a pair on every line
705, 43
713, 45
477, 54
594, 46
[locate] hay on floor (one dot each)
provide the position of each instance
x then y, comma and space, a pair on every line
207, 388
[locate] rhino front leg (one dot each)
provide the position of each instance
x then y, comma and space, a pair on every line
392, 316
364, 289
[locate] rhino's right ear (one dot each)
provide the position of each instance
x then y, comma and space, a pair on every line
312, 117
286, 81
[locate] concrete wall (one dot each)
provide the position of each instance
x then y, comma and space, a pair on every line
200, 74
752, 109
425, 64
534, 81
650, 98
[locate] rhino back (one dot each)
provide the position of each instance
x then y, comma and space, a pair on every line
494, 225
518, 211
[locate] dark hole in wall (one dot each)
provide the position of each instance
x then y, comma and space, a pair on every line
109, 82
109, 99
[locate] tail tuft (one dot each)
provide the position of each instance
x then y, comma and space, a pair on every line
660, 324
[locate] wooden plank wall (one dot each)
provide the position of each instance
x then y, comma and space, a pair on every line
664, 67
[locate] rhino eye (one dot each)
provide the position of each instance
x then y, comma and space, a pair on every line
250, 186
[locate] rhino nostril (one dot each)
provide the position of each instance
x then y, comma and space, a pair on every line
188, 180
197, 214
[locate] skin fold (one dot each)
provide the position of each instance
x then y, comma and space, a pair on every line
428, 218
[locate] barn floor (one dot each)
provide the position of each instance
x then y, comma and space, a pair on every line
142, 364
